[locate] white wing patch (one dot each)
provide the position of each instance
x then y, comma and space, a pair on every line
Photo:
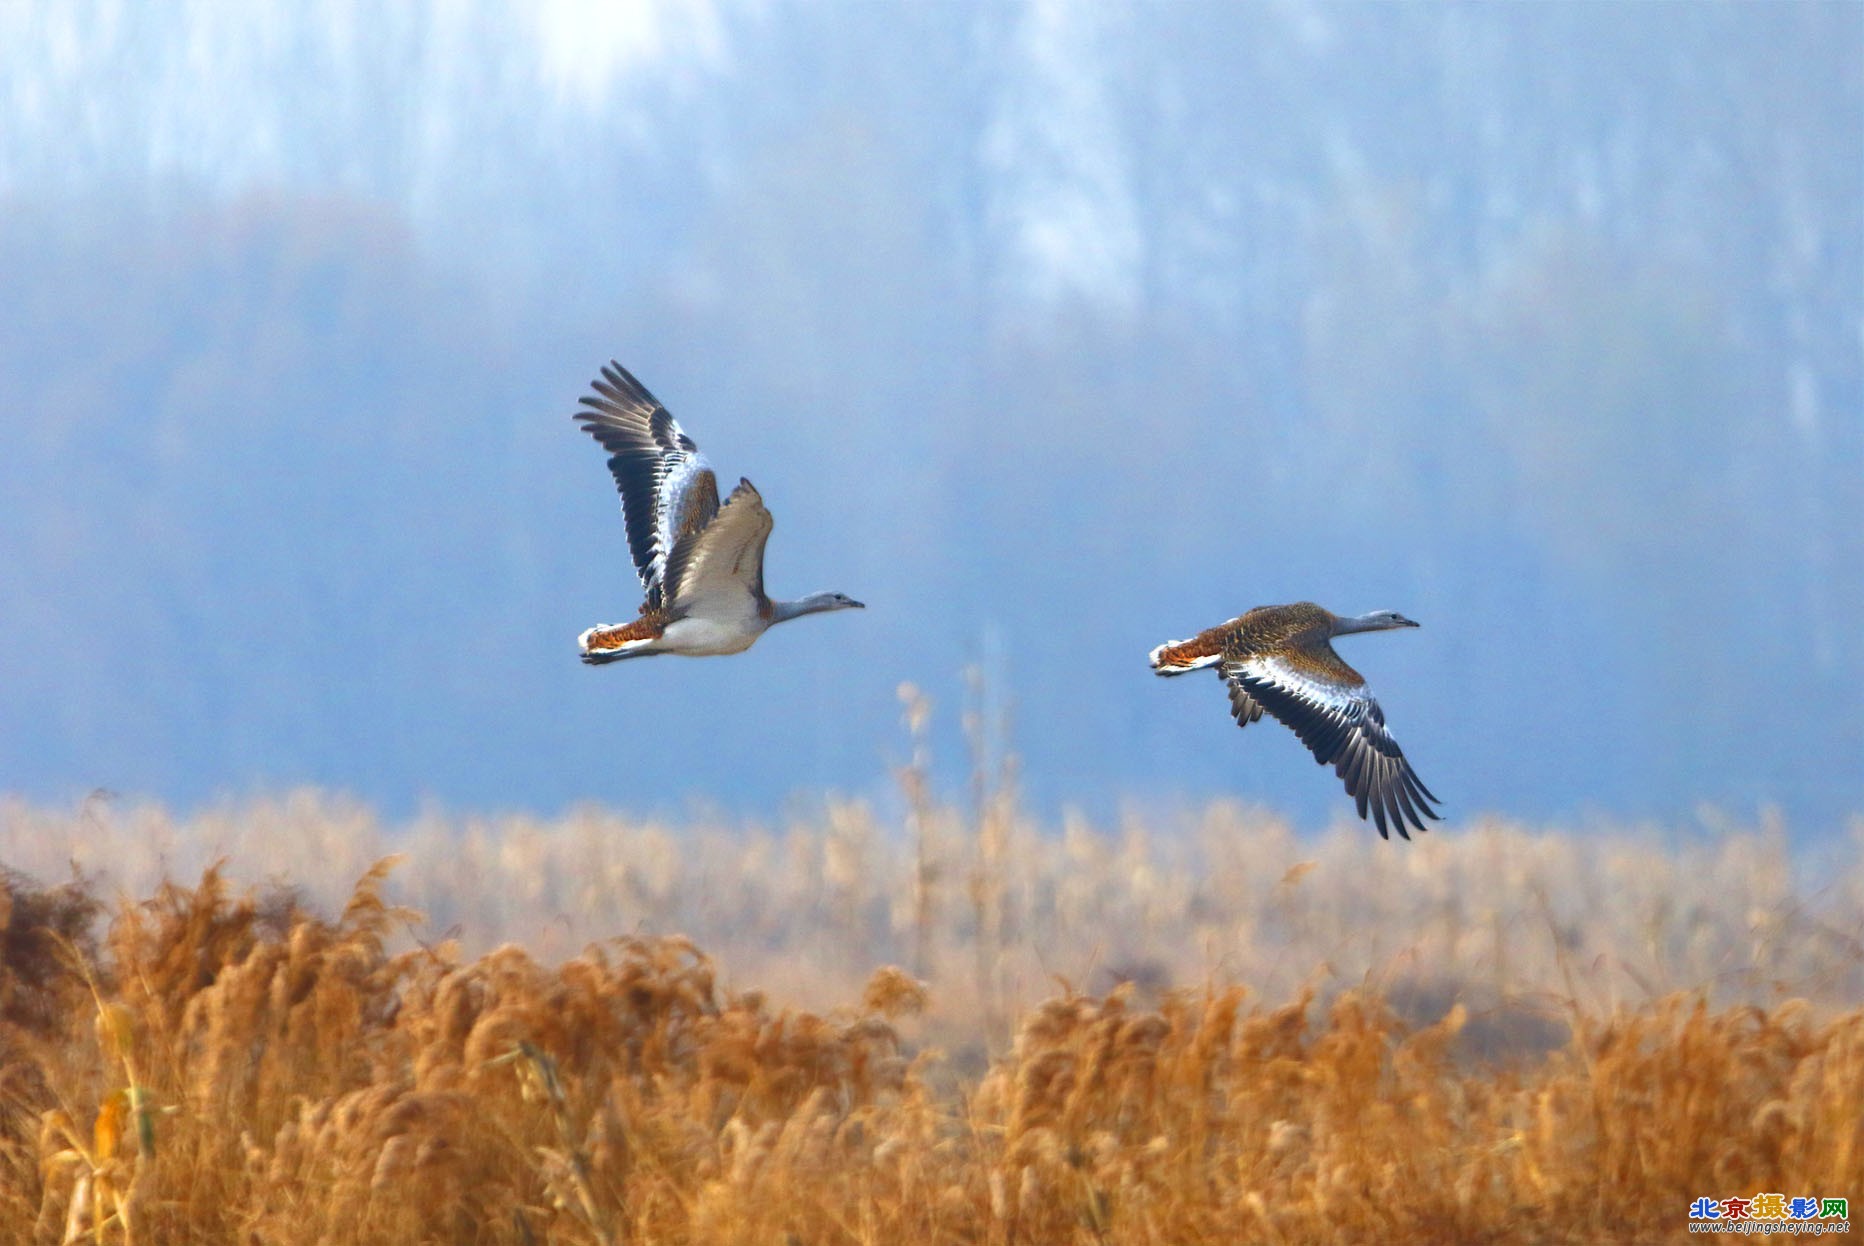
1323, 688
682, 494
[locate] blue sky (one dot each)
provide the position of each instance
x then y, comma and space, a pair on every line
1050, 330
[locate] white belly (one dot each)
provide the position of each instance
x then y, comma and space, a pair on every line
709, 637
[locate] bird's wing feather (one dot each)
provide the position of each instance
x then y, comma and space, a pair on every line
1243, 707
1327, 704
715, 569
668, 491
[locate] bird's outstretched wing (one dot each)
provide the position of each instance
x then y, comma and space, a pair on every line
714, 570
1327, 704
668, 492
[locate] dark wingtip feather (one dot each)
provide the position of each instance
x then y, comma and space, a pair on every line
618, 385
1421, 795
1429, 795
1407, 813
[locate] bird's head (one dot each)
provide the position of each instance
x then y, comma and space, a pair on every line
816, 603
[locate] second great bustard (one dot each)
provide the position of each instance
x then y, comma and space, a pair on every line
701, 564
1281, 659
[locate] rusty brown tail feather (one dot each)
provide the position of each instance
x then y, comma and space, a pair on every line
609, 644
1177, 656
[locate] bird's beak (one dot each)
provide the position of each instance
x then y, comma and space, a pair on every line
1404, 622
855, 605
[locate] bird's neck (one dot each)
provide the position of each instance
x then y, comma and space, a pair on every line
783, 611
1356, 623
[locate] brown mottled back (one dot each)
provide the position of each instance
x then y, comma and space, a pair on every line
1271, 629
1266, 629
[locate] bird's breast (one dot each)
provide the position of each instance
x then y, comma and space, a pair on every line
706, 637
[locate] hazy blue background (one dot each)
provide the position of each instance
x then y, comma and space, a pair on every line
1050, 330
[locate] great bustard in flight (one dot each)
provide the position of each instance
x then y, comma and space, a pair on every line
1279, 659
702, 564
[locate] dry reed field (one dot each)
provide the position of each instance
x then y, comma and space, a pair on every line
943, 1024
221, 1065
